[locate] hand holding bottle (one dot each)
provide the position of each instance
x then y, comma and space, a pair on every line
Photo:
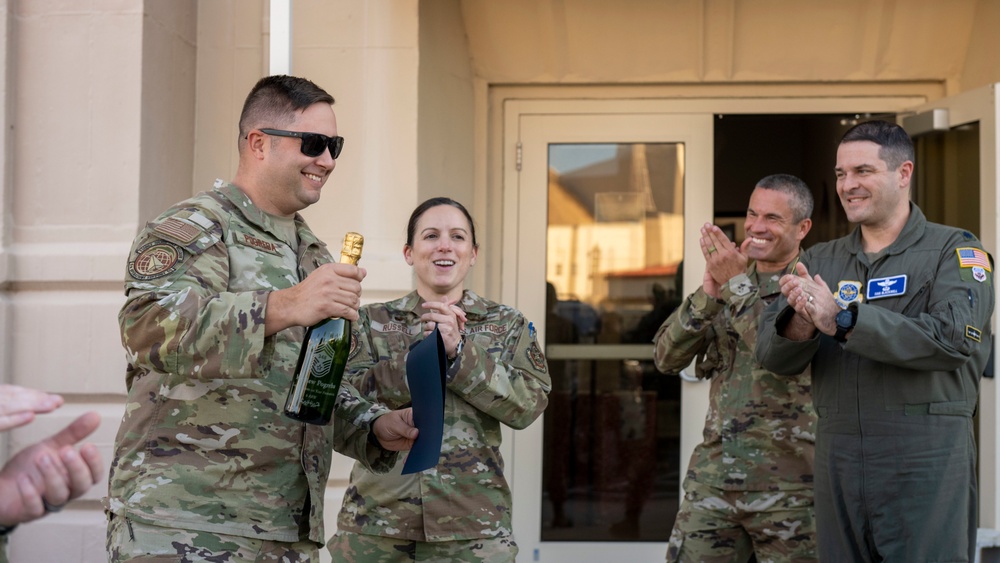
332, 290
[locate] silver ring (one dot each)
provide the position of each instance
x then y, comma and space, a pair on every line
52, 507
810, 299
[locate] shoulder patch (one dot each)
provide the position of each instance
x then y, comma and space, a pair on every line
536, 357
178, 230
154, 260
970, 257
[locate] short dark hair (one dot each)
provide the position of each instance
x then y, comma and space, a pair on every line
797, 190
895, 144
411, 226
274, 100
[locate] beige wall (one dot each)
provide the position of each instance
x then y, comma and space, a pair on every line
117, 108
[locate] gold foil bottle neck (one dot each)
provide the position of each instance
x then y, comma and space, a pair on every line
350, 253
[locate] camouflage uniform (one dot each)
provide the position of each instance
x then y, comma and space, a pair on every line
203, 444
499, 376
750, 480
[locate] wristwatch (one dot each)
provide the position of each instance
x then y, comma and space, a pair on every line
846, 320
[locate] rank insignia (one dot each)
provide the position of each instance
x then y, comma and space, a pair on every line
154, 260
848, 292
892, 286
536, 358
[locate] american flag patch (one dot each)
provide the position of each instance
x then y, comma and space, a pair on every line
178, 229
971, 257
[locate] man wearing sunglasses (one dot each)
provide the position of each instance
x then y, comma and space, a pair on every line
219, 291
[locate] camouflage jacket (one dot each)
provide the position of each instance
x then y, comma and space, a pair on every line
203, 444
499, 376
760, 427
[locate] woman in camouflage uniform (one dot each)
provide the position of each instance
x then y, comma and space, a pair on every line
460, 509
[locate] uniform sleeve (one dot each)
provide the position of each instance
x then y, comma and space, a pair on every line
179, 317
776, 353
356, 410
353, 419
686, 333
511, 384
944, 330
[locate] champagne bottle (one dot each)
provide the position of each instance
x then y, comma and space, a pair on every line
324, 354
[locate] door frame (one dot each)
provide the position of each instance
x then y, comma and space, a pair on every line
981, 105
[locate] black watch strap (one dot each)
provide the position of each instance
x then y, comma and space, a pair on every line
843, 329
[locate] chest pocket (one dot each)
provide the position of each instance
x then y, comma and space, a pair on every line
258, 261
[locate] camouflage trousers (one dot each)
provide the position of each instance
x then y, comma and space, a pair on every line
129, 540
716, 526
362, 548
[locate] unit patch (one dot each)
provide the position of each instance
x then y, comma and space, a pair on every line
154, 260
892, 286
973, 333
536, 358
355, 345
848, 291
978, 274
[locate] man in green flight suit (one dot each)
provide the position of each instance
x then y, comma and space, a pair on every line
219, 289
748, 488
895, 321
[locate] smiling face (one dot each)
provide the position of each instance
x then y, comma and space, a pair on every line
871, 194
441, 253
774, 232
290, 180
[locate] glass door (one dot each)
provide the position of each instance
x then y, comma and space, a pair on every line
605, 206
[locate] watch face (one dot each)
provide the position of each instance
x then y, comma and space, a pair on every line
844, 319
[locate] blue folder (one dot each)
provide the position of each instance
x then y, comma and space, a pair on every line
426, 365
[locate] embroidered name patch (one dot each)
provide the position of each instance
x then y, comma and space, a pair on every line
891, 286
154, 260
259, 244
973, 333
396, 327
971, 257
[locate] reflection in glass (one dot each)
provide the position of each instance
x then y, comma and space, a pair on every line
612, 427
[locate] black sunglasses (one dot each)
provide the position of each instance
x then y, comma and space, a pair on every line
313, 144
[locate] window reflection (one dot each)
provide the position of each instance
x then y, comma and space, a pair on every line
612, 427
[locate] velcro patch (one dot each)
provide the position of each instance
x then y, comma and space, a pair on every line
892, 286
178, 229
254, 242
969, 257
536, 357
355, 345
154, 260
973, 333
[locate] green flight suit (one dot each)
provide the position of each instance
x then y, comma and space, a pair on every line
895, 452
